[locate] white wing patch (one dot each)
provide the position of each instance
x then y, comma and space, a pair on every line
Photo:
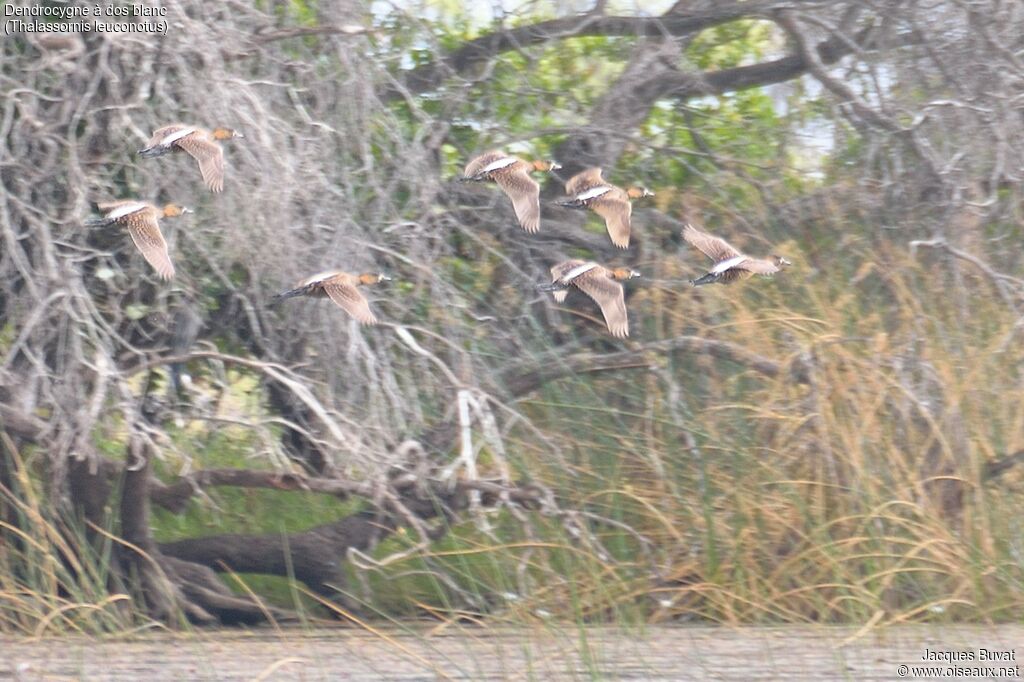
592, 193
727, 264
576, 272
174, 137
500, 163
127, 209
318, 277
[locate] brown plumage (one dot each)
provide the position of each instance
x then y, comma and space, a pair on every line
589, 190
340, 287
512, 175
141, 219
600, 284
730, 265
200, 144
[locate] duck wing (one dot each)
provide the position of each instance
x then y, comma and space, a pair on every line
584, 180
525, 195
715, 248
145, 232
560, 272
478, 164
759, 266
351, 301
609, 296
615, 208
115, 210
734, 275
210, 157
160, 135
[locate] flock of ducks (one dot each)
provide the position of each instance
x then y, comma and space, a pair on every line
142, 219
589, 190
586, 190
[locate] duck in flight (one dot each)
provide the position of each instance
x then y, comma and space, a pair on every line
202, 145
599, 283
589, 190
730, 264
340, 287
141, 219
512, 175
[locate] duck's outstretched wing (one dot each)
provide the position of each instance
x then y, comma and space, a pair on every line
559, 277
616, 210
525, 195
584, 180
759, 266
609, 296
210, 157
479, 163
351, 301
145, 232
715, 248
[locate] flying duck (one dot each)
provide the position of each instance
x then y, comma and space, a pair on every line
141, 219
341, 288
597, 282
589, 190
200, 144
512, 175
730, 265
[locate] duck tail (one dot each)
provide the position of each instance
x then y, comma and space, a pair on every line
287, 294
98, 222
150, 152
554, 286
572, 203
473, 178
706, 279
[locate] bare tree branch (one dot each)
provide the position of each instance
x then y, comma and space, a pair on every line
526, 377
473, 53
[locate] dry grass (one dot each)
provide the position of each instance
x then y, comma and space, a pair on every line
860, 497
53, 580
713, 493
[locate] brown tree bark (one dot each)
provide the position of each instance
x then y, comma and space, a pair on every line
315, 556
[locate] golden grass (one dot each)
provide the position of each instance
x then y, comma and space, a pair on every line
52, 580
858, 498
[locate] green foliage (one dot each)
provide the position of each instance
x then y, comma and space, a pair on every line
238, 510
732, 44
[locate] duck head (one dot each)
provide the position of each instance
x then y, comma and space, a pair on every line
780, 261
639, 192
373, 278
546, 166
622, 274
174, 210
225, 134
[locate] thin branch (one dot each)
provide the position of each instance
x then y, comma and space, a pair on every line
526, 377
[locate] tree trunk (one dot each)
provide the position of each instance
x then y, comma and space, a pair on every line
314, 556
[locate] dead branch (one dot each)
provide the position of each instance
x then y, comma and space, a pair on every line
528, 376
473, 53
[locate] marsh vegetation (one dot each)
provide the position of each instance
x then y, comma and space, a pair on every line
839, 444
